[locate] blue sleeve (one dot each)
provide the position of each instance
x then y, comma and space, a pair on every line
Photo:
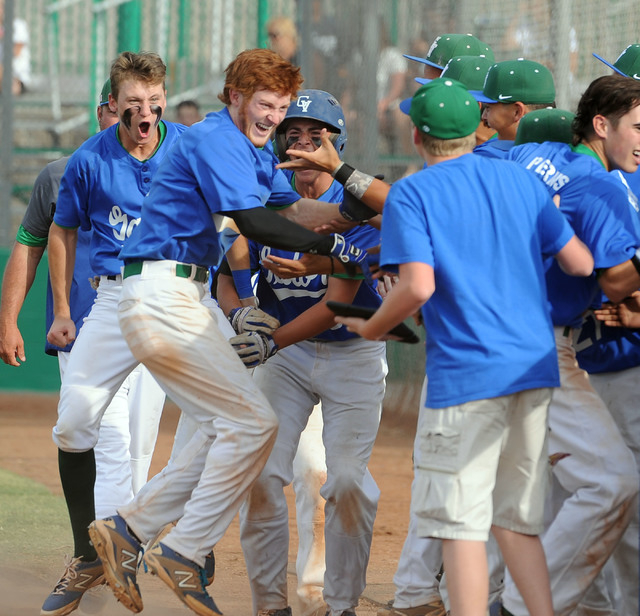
607, 226
405, 229
72, 205
555, 230
282, 195
226, 175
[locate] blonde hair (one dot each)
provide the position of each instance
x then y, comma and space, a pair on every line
447, 147
285, 25
145, 66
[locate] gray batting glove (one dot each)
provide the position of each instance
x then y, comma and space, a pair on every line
250, 319
253, 348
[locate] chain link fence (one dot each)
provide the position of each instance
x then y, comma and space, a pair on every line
350, 48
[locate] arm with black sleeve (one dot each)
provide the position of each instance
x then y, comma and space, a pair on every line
271, 229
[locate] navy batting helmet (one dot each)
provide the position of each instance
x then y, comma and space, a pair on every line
314, 105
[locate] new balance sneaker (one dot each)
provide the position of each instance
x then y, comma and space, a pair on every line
285, 611
209, 561
120, 552
185, 577
78, 577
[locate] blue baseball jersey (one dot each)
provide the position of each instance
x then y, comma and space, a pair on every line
494, 148
597, 209
288, 298
36, 222
102, 189
610, 349
212, 169
484, 225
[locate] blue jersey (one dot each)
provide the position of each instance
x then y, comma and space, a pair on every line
484, 225
596, 207
610, 349
213, 169
286, 299
36, 222
102, 189
494, 148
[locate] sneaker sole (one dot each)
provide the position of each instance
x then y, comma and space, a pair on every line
126, 594
157, 569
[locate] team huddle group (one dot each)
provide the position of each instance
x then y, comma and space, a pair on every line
189, 264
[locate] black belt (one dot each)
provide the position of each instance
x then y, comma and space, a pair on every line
111, 277
183, 270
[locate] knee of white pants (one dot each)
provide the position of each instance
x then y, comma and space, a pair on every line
80, 411
351, 502
266, 500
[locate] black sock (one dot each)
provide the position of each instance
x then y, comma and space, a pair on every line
78, 477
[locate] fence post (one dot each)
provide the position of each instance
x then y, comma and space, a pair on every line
129, 22
6, 157
263, 17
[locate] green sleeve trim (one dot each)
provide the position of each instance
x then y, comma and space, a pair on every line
347, 277
28, 239
271, 206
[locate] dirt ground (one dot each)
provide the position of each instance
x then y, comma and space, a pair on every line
26, 449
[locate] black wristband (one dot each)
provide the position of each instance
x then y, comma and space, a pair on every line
344, 173
636, 260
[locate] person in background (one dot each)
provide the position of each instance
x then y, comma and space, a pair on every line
188, 112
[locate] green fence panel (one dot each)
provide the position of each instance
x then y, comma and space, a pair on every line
40, 371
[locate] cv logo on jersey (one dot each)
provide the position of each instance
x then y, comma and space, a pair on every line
121, 223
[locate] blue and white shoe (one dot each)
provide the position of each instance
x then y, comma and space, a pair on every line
78, 577
120, 552
185, 577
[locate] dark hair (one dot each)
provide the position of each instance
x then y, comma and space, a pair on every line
611, 96
188, 104
536, 106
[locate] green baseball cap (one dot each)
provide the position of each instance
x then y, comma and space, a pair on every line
470, 71
443, 108
104, 93
521, 80
449, 46
628, 62
543, 125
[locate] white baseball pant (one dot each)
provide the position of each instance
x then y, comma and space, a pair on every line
178, 339
619, 391
118, 476
309, 474
294, 381
601, 478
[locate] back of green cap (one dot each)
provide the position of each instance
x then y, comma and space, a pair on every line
104, 94
468, 70
443, 108
448, 46
543, 125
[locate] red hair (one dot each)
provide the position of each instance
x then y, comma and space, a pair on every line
260, 69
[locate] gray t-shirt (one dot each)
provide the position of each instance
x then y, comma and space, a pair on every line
42, 204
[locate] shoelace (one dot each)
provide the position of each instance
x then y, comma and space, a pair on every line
69, 574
